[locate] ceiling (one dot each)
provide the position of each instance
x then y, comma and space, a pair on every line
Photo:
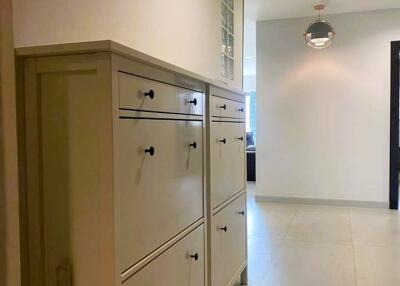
278, 9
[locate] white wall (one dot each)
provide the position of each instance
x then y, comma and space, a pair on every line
181, 32
249, 54
323, 115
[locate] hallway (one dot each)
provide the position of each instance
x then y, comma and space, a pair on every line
302, 245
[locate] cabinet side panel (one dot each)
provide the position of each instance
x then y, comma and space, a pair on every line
73, 194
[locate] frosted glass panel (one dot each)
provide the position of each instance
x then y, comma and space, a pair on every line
227, 39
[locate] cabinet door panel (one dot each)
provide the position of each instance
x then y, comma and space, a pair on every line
159, 183
227, 161
228, 241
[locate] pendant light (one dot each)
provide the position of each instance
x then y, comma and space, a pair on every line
319, 34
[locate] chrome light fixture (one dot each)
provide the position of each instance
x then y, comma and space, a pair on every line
319, 34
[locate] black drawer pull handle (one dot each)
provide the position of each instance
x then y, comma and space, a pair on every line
194, 145
223, 106
195, 256
241, 212
223, 228
240, 138
194, 101
223, 141
150, 150
241, 109
149, 93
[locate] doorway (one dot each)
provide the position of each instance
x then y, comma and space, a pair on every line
394, 126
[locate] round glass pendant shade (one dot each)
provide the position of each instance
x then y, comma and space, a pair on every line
319, 34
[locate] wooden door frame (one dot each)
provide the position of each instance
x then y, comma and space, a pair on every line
9, 177
394, 125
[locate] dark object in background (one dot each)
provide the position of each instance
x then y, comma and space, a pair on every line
251, 166
251, 157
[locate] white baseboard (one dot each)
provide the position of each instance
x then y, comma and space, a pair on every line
309, 201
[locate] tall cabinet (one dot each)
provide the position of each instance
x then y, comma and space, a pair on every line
134, 171
227, 187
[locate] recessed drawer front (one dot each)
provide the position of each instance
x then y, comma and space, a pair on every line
227, 160
159, 183
222, 107
181, 265
228, 241
138, 93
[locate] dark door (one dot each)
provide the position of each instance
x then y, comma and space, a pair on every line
394, 127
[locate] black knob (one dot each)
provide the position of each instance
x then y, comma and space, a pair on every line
194, 101
223, 140
194, 145
224, 228
150, 150
240, 138
149, 93
241, 109
195, 256
241, 212
223, 106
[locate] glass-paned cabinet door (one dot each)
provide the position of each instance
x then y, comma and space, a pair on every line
224, 35
230, 21
231, 3
224, 15
230, 46
228, 39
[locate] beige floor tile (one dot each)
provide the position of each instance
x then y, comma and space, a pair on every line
312, 264
321, 224
377, 265
307, 245
375, 227
261, 252
270, 220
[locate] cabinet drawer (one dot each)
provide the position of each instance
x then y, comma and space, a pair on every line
144, 94
175, 267
228, 241
159, 194
227, 160
222, 107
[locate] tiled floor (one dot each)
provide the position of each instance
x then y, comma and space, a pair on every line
301, 245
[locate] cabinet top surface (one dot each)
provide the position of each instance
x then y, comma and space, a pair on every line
113, 47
